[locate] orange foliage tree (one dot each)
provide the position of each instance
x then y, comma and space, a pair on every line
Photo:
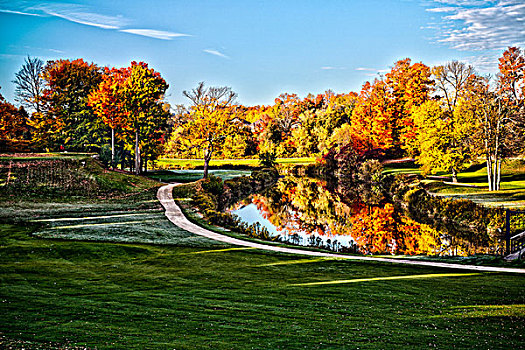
108, 103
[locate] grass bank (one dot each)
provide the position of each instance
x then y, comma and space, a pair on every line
473, 183
135, 296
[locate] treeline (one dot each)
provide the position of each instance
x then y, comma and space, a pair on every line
81, 107
444, 116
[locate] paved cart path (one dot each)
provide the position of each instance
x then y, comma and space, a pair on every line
175, 215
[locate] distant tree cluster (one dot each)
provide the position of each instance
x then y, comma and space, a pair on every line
77, 105
444, 116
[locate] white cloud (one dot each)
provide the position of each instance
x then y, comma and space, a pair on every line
78, 14
215, 53
332, 68
366, 69
441, 9
20, 13
481, 25
82, 15
152, 33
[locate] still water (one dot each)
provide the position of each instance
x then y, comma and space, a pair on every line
302, 211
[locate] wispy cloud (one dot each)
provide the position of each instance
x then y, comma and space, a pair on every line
332, 68
79, 14
21, 13
56, 51
152, 33
83, 15
216, 53
370, 72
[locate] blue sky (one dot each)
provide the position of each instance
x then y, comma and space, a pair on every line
260, 48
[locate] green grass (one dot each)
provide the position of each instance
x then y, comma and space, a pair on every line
408, 167
116, 274
41, 156
185, 176
511, 194
132, 296
170, 163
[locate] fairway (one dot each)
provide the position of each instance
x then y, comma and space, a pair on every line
199, 295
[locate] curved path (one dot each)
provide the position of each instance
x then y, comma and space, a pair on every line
175, 215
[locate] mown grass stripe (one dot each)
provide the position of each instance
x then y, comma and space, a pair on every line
357, 280
95, 217
102, 224
219, 250
300, 261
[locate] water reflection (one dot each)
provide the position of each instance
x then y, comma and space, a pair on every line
303, 211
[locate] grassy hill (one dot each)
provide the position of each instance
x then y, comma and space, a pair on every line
105, 269
59, 176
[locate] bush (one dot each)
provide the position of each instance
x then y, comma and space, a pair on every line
213, 184
267, 159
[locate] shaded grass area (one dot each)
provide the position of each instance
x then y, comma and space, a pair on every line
131, 296
185, 176
138, 218
170, 163
67, 177
408, 167
42, 156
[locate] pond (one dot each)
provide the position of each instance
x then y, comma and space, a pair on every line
303, 211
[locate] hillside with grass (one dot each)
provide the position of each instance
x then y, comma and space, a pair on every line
65, 176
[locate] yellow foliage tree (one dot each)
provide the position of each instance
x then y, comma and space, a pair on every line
443, 137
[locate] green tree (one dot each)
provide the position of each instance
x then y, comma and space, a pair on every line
444, 140
142, 93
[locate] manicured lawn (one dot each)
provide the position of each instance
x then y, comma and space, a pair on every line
114, 273
184, 176
50, 155
511, 195
187, 292
170, 163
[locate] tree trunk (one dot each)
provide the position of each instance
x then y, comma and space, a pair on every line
137, 153
206, 162
498, 175
454, 175
489, 173
113, 148
207, 157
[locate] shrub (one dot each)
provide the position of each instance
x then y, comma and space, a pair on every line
213, 184
267, 159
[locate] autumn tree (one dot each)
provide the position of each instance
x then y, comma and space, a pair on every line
323, 115
371, 123
211, 124
511, 91
142, 92
29, 84
107, 102
452, 80
409, 86
13, 121
444, 139
72, 123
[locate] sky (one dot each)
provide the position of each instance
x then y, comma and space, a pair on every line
259, 48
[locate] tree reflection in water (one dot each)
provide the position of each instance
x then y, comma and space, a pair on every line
303, 211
